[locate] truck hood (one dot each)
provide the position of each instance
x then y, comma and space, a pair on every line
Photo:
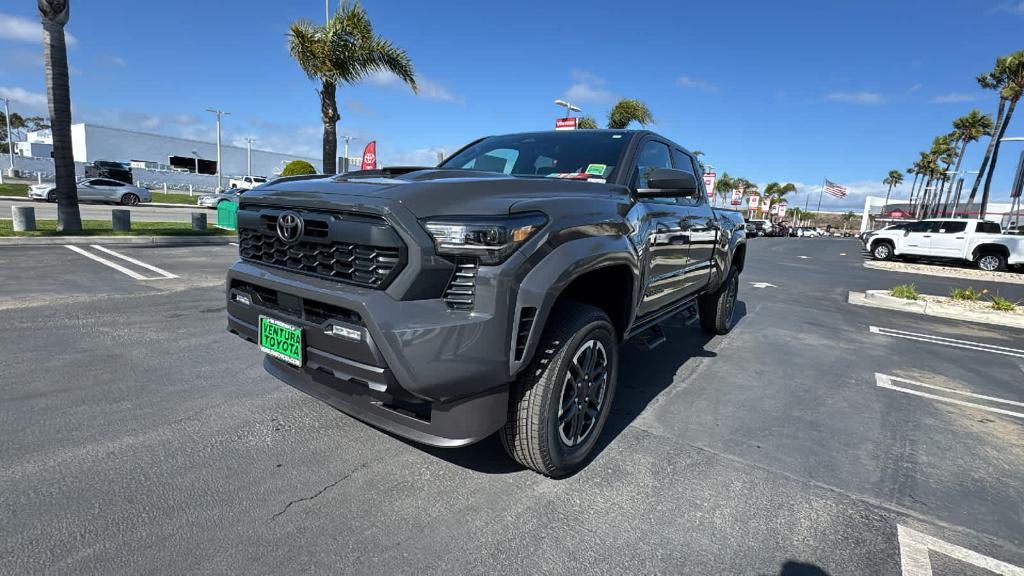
429, 192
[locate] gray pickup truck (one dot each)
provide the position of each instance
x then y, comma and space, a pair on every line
488, 294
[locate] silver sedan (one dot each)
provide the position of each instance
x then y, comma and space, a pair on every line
214, 200
95, 190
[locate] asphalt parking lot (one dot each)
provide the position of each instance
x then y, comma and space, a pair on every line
817, 438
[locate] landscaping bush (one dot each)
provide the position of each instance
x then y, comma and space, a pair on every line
968, 294
297, 168
1002, 304
905, 291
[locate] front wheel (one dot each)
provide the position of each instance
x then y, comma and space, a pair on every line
129, 199
718, 309
560, 403
51, 197
882, 251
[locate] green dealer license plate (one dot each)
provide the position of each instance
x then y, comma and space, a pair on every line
280, 340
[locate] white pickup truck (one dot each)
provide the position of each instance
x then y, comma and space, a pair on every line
977, 241
246, 182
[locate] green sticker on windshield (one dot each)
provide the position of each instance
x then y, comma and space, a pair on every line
597, 169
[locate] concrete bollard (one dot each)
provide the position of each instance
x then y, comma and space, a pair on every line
199, 221
24, 218
121, 220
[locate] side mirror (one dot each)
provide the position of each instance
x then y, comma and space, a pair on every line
669, 182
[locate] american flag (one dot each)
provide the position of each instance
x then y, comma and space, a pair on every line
833, 189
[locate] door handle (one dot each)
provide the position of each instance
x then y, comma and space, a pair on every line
959, 238
927, 235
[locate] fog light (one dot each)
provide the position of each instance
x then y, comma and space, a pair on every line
346, 333
243, 299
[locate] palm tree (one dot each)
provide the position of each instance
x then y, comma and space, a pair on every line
895, 178
775, 192
55, 14
343, 51
849, 216
1007, 77
586, 123
968, 128
724, 185
944, 149
626, 111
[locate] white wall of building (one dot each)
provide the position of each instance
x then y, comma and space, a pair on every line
93, 143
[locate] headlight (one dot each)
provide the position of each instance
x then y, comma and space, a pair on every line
490, 240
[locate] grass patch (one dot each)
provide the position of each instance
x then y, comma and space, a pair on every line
104, 228
1002, 304
967, 294
174, 198
905, 291
8, 189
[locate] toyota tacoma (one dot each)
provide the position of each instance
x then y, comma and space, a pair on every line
488, 294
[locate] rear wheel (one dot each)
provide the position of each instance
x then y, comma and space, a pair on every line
717, 309
51, 196
129, 199
991, 262
882, 251
560, 403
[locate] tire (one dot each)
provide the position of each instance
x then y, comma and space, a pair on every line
718, 309
990, 262
129, 199
544, 393
51, 196
882, 251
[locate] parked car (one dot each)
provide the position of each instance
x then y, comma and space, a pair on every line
969, 240
213, 200
109, 170
762, 227
95, 190
445, 304
247, 182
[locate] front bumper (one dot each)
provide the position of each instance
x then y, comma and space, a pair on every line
419, 370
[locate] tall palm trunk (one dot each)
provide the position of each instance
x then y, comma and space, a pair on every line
959, 159
887, 193
58, 92
329, 115
995, 156
985, 161
912, 186
924, 196
942, 187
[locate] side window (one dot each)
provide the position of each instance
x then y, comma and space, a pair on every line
953, 227
684, 162
653, 155
928, 227
988, 228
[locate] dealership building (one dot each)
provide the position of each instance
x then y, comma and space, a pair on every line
159, 152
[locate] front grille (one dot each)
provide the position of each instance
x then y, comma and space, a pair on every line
329, 248
459, 295
312, 311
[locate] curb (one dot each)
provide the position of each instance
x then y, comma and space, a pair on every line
947, 272
146, 205
881, 299
130, 240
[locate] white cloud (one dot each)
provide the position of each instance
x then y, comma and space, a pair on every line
586, 87
953, 98
26, 30
862, 97
24, 100
1016, 7
915, 88
687, 82
429, 89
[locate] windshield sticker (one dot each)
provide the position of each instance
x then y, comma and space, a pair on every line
570, 175
596, 169
598, 180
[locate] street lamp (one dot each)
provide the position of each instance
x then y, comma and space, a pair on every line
569, 108
248, 156
219, 113
10, 139
347, 138
196, 156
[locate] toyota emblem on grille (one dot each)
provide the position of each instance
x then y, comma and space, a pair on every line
290, 227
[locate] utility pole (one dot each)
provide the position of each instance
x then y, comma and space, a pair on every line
10, 139
219, 113
248, 156
344, 164
327, 10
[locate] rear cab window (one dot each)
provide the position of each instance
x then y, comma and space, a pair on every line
988, 228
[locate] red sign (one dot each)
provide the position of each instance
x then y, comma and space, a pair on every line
709, 183
737, 197
370, 156
566, 123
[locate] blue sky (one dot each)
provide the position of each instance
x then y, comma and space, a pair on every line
788, 91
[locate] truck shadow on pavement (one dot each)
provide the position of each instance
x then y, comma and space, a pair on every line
643, 375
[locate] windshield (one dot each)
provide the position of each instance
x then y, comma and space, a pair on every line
577, 154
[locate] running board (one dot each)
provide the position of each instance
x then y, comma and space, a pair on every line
650, 338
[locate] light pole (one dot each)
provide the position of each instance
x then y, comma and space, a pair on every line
569, 108
248, 156
1015, 190
959, 185
10, 139
219, 113
196, 156
345, 163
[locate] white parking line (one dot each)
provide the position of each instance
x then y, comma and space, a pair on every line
948, 341
160, 271
886, 381
233, 243
915, 560
106, 262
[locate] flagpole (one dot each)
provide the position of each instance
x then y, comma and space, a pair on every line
817, 213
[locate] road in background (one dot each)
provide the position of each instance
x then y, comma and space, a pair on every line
47, 211
140, 437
